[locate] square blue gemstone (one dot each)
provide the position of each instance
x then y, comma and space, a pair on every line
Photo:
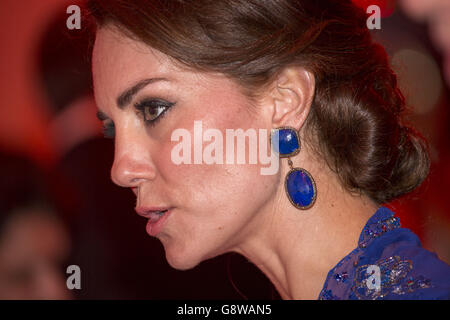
288, 141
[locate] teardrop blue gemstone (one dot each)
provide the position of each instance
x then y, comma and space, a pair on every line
301, 188
288, 141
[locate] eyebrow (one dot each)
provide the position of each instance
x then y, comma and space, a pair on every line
124, 99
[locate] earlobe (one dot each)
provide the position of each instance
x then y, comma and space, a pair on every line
292, 95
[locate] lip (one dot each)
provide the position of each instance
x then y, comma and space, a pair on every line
146, 211
153, 228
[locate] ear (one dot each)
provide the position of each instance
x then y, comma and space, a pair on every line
290, 97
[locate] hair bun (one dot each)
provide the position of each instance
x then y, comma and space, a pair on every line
412, 165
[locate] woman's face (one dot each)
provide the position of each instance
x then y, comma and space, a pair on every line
214, 208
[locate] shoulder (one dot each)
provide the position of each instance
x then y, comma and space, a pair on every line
396, 266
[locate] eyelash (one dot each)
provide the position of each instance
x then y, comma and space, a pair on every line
152, 104
108, 130
142, 107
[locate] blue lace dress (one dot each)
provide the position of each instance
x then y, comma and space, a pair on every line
389, 263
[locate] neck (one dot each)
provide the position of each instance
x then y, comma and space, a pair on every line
296, 249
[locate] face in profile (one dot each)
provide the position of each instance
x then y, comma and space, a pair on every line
213, 208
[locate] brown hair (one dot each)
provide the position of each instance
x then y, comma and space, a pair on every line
355, 116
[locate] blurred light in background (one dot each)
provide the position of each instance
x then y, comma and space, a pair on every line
422, 96
436, 14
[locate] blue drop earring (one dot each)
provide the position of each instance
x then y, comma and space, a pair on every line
299, 185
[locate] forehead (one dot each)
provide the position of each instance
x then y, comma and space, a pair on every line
119, 61
117, 52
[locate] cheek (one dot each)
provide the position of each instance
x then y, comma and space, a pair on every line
216, 183
214, 200
214, 191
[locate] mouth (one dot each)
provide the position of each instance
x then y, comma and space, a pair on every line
156, 215
156, 218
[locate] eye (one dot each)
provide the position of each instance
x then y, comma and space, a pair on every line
152, 110
109, 130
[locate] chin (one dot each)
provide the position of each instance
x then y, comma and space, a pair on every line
181, 259
181, 263
185, 258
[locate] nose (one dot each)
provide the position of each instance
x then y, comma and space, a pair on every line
132, 161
